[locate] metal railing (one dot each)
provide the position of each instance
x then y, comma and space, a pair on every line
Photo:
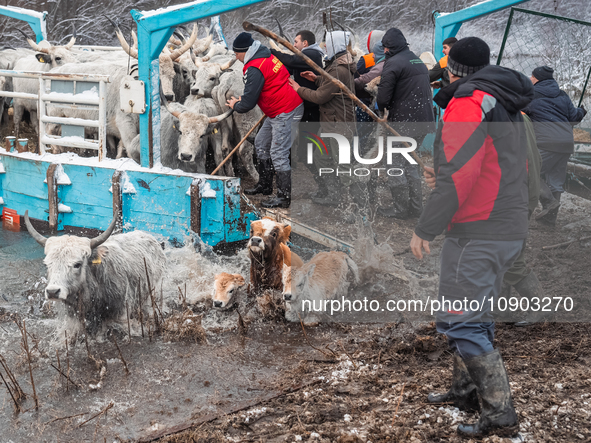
68, 100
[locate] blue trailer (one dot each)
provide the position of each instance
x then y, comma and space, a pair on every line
65, 190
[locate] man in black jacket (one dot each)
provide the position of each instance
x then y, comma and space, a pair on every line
553, 115
480, 199
304, 41
406, 93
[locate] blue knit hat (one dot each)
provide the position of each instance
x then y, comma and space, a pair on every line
242, 42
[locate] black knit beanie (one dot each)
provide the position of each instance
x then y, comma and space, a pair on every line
467, 56
543, 73
242, 42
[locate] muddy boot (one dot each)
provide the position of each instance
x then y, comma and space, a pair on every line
463, 390
283, 199
265, 184
550, 218
529, 288
399, 208
549, 203
333, 194
498, 414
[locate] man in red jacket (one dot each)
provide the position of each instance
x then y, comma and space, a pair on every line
480, 198
267, 85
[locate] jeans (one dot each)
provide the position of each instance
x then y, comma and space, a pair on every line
276, 136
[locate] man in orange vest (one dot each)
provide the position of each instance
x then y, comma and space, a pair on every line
439, 71
367, 61
267, 85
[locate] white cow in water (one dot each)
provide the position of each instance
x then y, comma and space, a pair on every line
96, 278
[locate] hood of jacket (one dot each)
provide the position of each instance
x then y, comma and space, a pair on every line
548, 88
343, 58
395, 41
336, 41
314, 47
378, 52
256, 51
513, 90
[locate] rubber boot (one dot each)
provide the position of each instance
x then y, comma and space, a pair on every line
399, 208
415, 203
462, 393
265, 184
550, 218
322, 191
283, 198
549, 202
498, 414
529, 288
333, 194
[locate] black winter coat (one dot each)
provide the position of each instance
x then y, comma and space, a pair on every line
553, 115
405, 88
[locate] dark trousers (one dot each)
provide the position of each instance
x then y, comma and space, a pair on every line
554, 169
471, 275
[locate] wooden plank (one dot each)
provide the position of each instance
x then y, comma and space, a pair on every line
52, 197
195, 208
117, 200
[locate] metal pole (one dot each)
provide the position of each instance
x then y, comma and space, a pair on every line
102, 128
41, 114
584, 88
505, 36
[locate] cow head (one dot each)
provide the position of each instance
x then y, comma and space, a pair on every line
193, 128
207, 77
167, 59
266, 235
53, 55
68, 259
225, 289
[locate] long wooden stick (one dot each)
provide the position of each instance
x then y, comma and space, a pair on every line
239, 144
270, 34
566, 243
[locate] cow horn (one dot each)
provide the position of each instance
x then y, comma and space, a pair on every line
34, 45
130, 51
209, 54
228, 65
38, 237
134, 39
180, 51
219, 118
71, 43
101, 238
193, 57
166, 105
203, 45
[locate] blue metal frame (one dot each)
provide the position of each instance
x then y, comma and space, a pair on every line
36, 20
154, 30
448, 24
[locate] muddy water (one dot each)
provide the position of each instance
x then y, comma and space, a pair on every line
169, 384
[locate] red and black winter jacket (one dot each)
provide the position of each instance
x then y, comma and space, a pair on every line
480, 160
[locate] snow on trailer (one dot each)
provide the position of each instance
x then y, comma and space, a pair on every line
170, 203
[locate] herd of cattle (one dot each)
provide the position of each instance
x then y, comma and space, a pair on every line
99, 279
197, 76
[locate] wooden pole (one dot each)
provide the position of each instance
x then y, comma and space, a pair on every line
270, 34
257, 124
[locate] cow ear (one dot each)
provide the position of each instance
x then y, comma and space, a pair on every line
43, 58
98, 255
286, 232
239, 280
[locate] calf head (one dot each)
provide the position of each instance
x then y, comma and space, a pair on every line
225, 289
68, 259
266, 235
295, 284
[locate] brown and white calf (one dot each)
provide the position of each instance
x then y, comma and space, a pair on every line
325, 277
227, 289
268, 253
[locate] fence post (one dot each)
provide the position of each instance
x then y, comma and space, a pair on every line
505, 36
52, 197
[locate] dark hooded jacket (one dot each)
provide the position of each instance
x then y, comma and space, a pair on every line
553, 115
480, 157
404, 89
